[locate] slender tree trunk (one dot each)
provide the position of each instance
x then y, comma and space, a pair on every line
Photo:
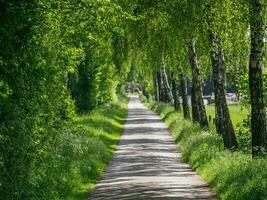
166, 98
223, 121
166, 82
258, 115
175, 92
132, 87
195, 116
186, 110
155, 87
197, 86
161, 87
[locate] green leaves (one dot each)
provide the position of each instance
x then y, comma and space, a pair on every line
5, 91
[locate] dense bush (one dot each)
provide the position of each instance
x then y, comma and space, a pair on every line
35, 103
233, 175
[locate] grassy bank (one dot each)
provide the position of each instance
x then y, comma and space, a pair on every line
78, 154
233, 175
103, 127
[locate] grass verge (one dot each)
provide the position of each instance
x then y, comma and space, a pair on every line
232, 175
103, 126
79, 153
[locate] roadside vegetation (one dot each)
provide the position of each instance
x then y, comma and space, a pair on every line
60, 73
77, 156
232, 175
101, 130
64, 61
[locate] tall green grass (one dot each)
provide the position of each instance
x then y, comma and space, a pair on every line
103, 128
78, 154
233, 175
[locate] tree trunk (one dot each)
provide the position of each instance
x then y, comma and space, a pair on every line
163, 88
166, 97
194, 105
197, 86
186, 110
155, 87
175, 92
132, 87
160, 87
223, 121
258, 115
166, 82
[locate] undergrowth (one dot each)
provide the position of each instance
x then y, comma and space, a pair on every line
232, 175
77, 155
100, 132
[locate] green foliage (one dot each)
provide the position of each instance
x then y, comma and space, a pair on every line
243, 133
58, 57
94, 85
233, 175
242, 86
48, 50
76, 156
35, 103
143, 99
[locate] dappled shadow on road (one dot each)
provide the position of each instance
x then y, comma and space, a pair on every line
147, 165
142, 192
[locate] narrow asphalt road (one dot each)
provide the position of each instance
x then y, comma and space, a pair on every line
147, 164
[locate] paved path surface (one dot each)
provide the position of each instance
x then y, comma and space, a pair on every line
147, 164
